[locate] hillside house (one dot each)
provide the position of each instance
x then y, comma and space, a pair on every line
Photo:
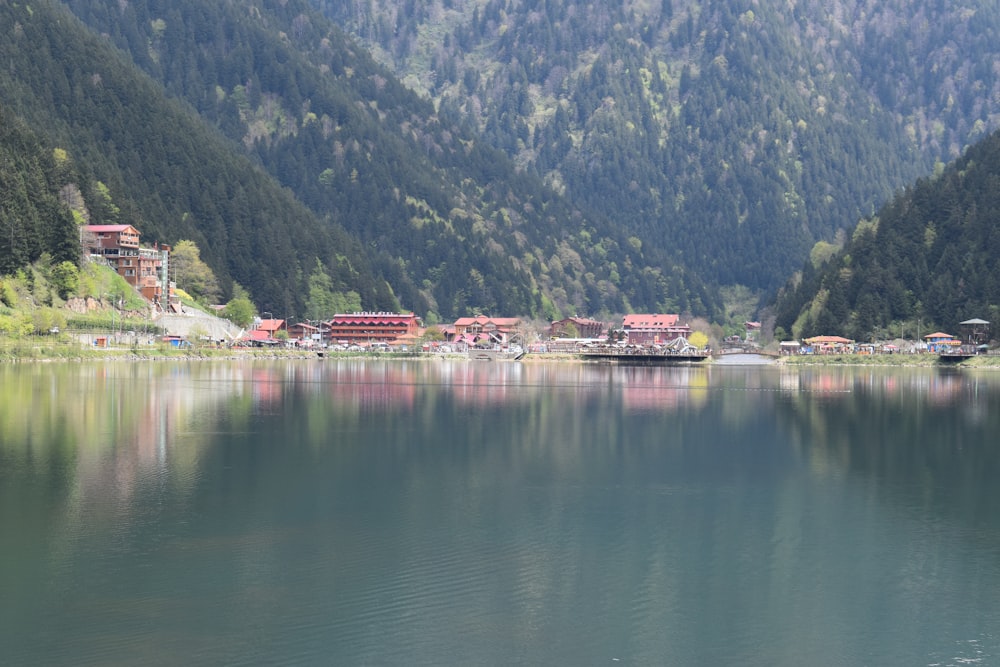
145, 269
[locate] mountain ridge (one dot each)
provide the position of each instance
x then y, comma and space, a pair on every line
736, 134
928, 260
448, 225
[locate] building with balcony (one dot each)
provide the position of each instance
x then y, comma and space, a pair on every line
145, 269
366, 328
579, 327
483, 330
654, 329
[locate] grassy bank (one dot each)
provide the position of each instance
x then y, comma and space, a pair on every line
50, 348
916, 360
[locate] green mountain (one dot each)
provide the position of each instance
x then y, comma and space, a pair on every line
929, 260
733, 135
260, 131
163, 169
33, 220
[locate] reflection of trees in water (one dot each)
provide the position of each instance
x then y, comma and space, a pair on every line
931, 435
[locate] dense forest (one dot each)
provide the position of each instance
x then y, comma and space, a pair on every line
162, 169
502, 156
928, 260
733, 134
352, 168
33, 219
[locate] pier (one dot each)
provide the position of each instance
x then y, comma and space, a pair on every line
643, 355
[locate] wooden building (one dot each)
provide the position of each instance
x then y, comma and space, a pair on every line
585, 328
143, 268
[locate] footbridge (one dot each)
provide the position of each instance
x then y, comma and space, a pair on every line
743, 348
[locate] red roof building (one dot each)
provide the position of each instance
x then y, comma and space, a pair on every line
142, 268
653, 329
485, 330
260, 337
366, 328
270, 326
939, 341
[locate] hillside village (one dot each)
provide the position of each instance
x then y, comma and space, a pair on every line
147, 270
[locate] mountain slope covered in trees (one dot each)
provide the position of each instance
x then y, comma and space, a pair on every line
160, 168
444, 219
929, 260
735, 134
33, 221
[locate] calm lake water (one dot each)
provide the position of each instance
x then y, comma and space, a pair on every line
462, 513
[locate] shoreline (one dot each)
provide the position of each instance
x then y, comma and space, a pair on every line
53, 351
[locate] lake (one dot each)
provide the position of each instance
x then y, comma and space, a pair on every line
461, 513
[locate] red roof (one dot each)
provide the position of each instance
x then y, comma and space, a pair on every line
109, 228
828, 339
482, 319
938, 335
259, 334
363, 318
650, 321
270, 325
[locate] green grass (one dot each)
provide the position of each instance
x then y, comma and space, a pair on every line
886, 360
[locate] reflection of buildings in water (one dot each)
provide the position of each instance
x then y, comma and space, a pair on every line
790, 381
647, 388
944, 390
371, 384
939, 389
152, 417
266, 387
129, 427
487, 383
834, 382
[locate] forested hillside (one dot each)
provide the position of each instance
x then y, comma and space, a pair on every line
929, 259
444, 217
33, 221
162, 169
736, 134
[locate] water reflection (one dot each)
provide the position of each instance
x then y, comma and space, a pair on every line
100, 431
440, 512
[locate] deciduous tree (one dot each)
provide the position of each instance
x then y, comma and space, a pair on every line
192, 274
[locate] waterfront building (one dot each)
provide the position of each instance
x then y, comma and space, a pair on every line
654, 329
483, 330
304, 331
585, 328
370, 327
941, 342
